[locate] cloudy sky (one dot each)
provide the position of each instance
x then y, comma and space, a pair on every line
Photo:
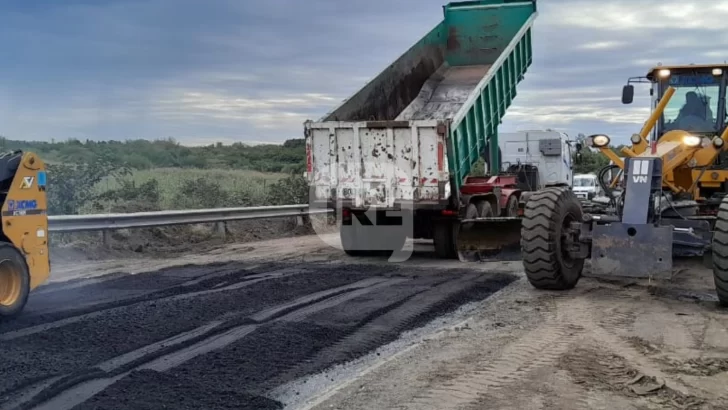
253, 70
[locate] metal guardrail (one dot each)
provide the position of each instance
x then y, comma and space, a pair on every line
101, 222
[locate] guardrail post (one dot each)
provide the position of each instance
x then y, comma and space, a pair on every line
106, 238
221, 229
299, 220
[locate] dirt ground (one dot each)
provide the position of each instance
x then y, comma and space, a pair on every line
606, 344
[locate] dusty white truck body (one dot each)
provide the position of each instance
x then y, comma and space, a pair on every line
358, 165
549, 151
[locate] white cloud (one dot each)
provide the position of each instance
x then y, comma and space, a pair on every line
620, 15
601, 45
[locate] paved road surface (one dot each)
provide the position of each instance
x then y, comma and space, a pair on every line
267, 327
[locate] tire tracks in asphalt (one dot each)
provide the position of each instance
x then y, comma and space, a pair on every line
186, 290
73, 389
386, 326
84, 344
347, 361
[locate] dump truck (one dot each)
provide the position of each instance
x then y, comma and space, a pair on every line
393, 160
24, 257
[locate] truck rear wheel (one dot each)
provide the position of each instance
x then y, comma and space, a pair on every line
511, 209
720, 253
14, 281
548, 214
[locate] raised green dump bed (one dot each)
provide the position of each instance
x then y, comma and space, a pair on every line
456, 83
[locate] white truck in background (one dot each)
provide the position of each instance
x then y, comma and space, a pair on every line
586, 186
549, 152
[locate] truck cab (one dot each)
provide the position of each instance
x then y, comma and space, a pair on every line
549, 152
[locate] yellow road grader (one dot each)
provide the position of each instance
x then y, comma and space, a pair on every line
672, 201
24, 258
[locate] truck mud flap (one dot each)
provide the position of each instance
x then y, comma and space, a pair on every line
485, 239
632, 251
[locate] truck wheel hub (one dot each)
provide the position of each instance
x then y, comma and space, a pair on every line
10, 284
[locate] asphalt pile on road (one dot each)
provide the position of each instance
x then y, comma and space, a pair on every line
214, 337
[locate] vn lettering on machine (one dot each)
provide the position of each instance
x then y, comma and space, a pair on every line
641, 171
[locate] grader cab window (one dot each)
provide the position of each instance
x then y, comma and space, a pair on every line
695, 105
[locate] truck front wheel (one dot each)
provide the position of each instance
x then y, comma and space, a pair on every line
14, 281
547, 217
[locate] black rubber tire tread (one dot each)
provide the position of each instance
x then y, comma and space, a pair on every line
720, 253
8, 251
511, 208
471, 211
484, 208
444, 239
540, 239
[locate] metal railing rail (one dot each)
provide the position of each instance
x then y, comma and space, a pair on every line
101, 222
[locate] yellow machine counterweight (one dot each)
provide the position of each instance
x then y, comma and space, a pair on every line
24, 257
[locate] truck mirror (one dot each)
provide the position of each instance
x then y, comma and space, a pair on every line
627, 94
579, 146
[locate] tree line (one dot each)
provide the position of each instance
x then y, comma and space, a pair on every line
145, 154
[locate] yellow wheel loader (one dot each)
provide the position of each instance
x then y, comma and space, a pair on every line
672, 201
24, 258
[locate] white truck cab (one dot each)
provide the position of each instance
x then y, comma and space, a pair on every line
548, 151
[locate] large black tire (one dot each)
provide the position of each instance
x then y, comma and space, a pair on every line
511, 208
720, 253
484, 209
547, 213
14, 281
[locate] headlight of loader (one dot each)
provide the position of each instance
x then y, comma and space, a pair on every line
599, 140
636, 139
691, 141
718, 142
